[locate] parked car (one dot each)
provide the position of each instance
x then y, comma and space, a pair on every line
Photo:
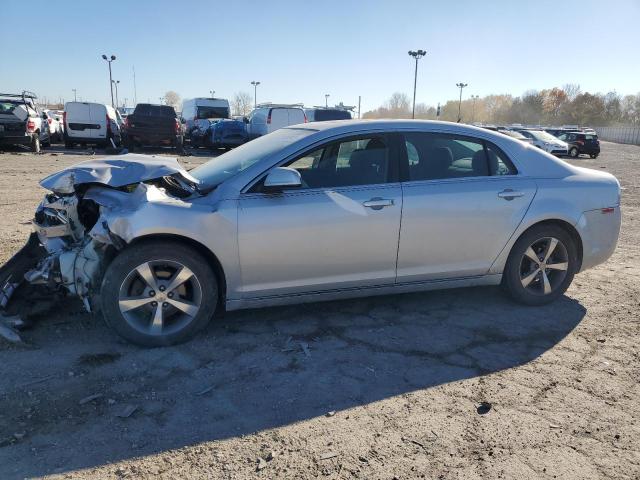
581, 143
516, 135
87, 123
317, 212
55, 124
545, 141
197, 112
154, 125
21, 122
269, 117
322, 114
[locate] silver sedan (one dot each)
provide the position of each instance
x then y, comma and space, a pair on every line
316, 212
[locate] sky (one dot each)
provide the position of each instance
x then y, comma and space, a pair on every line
302, 50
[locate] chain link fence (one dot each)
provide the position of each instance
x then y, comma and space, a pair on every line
630, 135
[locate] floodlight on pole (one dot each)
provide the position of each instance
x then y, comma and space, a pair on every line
460, 86
326, 100
473, 108
255, 93
109, 60
417, 55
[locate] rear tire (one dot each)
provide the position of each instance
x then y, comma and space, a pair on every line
157, 321
532, 279
594, 155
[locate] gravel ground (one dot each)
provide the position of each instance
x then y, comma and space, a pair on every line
381, 388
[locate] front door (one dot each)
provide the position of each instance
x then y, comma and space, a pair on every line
340, 230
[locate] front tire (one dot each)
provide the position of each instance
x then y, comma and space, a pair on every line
35, 143
158, 293
573, 152
541, 265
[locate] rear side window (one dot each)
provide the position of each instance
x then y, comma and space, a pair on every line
434, 156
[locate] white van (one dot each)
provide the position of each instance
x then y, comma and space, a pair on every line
197, 112
90, 123
268, 117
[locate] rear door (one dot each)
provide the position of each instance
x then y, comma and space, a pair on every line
279, 118
99, 119
79, 122
463, 199
296, 116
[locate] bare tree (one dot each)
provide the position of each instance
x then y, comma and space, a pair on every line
242, 103
173, 99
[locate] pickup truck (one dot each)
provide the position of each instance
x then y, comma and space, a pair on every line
153, 125
21, 122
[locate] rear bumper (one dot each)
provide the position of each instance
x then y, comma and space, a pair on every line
152, 139
599, 230
15, 139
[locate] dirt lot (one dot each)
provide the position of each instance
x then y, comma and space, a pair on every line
380, 388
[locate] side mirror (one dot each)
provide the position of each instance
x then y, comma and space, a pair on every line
281, 178
182, 121
245, 120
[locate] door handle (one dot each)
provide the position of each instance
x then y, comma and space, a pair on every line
510, 194
378, 203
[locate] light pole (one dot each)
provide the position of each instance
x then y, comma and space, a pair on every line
75, 97
326, 100
109, 60
460, 86
161, 98
417, 54
255, 93
213, 93
116, 82
473, 108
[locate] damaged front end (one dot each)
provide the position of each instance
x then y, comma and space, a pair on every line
72, 241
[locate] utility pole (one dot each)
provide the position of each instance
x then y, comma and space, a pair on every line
75, 97
255, 93
326, 100
359, 103
213, 93
417, 55
460, 86
109, 60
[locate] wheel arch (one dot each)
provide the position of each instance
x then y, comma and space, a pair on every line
566, 226
212, 259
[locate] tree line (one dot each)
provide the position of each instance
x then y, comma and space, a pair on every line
555, 106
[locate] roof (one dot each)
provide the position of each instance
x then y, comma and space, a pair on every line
391, 124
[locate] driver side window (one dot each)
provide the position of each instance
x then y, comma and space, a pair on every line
359, 161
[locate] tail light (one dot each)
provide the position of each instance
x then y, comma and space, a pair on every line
269, 118
126, 123
49, 121
177, 126
31, 126
108, 125
305, 117
64, 118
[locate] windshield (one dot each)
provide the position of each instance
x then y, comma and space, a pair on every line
221, 168
543, 136
324, 115
212, 112
154, 110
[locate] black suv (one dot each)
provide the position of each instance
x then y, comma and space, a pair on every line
581, 143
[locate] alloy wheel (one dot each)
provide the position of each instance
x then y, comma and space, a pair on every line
160, 297
544, 266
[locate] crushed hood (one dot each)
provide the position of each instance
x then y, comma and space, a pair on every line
115, 172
